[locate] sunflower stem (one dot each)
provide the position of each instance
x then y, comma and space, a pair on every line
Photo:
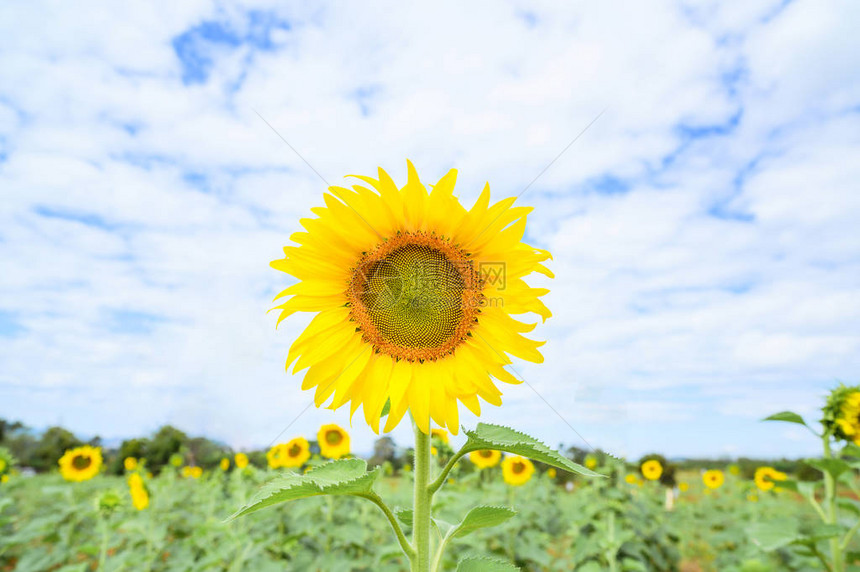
830, 496
440, 480
422, 501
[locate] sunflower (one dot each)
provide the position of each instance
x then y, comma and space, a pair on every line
848, 420
734, 470
413, 296
81, 463
130, 463
766, 478
651, 470
590, 461
551, 473
713, 479
441, 434
631, 479
241, 460
4, 479
292, 454
333, 441
139, 494
485, 458
683, 487
225, 463
517, 470
192, 472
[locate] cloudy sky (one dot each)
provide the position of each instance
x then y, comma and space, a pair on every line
704, 227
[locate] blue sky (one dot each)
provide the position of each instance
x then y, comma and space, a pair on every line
704, 229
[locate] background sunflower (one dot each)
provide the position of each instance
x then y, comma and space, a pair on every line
81, 463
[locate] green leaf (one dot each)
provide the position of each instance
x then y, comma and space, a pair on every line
404, 515
787, 416
341, 477
849, 504
480, 564
833, 466
483, 517
486, 436
772, 535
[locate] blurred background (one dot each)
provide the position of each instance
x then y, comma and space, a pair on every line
704, 226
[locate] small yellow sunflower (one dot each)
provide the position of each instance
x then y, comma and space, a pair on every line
590, 461
441, 434
434, 451
225, 464
734, 470
767, 477
241, 460
551, 473
651, 470
4, 479
293, 454
193, 472
81, 463
333, 441
683, 486
517, 470
130, 463
414, 296
631, 479
713, 479
485, 458
138, 492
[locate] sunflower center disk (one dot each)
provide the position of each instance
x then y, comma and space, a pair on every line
80, 462
333, 438
415, 297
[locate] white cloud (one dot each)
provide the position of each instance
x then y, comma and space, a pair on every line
703, 227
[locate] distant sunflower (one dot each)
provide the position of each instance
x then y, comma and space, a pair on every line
241, 460
413, 296
441, 434
292, 454
631, 479
713, 479
517, 470
485, 458
651, 470
192, 472
590, 461
767, 477
130, 463
333, 441
552, 473
225, 464
683, 487
81, 463
138, 492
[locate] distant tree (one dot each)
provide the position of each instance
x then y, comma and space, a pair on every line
207, 453
136, 448
9, 427
54, 442
167, 441
384, 450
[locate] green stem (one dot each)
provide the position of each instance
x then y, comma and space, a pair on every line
401, 538
440, 480
104, 545
830, 497
422, 501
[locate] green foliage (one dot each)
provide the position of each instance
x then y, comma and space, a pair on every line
341, 477
481, 564
483, 517
787, 416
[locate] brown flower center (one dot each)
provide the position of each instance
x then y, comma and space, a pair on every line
81, 462
518, 467
294, 451
333, 437
415, 296
485, 453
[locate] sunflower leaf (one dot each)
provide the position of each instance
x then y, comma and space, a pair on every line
341, 477
487, 436
787, 416
483, 517
833, 466
482, 564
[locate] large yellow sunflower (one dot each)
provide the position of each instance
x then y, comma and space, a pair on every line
485, 458
413, 296
767, 477
333, 441
849, 417
81, 463
517, 470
